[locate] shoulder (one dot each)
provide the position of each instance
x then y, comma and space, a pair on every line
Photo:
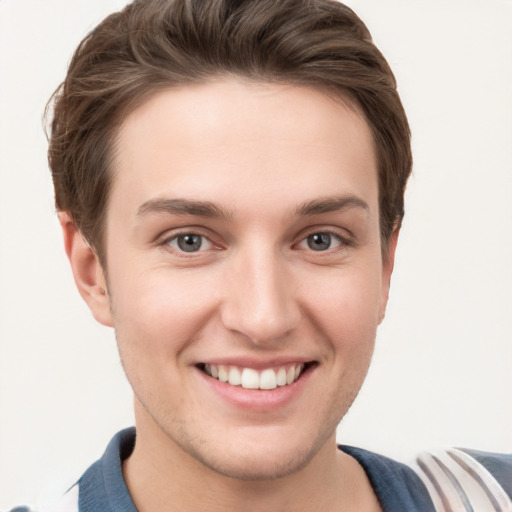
396, 485
461, 478
450, 479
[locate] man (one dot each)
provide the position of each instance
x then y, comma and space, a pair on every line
230, 180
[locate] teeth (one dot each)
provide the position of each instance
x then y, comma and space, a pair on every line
249, 378
268, 379
223, 374
281, 377
234, 376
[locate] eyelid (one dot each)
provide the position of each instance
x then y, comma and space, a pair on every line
336, 240
166, 239
204, 247
344, 238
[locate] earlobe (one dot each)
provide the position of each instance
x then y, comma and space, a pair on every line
387, 269
87, 271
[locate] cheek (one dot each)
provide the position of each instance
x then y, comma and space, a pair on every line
158, 311
156, 317
347, 305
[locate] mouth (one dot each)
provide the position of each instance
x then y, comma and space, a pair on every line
250, 378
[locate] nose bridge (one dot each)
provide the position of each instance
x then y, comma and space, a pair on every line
261, 302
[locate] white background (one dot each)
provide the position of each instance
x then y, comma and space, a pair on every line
442, 372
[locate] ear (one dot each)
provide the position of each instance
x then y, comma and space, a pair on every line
87, 271
388, 264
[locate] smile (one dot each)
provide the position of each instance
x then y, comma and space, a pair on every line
249, 378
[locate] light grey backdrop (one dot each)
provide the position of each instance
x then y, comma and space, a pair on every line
442, 372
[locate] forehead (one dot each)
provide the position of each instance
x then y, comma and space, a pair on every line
236, 141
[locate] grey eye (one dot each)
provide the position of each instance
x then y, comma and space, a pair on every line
189, 243
319, 241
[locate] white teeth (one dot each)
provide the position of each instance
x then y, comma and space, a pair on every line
268, 379
234, 376
281, 377
223, 374
250, 378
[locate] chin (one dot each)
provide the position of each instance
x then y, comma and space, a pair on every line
257, 465
257, 454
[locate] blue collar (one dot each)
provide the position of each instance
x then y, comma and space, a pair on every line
102, 486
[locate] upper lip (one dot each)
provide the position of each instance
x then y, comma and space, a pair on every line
257, 364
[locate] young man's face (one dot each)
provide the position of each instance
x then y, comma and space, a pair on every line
242, 240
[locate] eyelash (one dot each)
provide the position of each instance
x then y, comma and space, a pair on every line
166, 243
343, 241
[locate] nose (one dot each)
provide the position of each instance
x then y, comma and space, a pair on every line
259, 300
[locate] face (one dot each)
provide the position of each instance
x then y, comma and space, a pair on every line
244, 270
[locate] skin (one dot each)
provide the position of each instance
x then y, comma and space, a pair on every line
271, 159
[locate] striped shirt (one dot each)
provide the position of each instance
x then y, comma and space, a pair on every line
454, 480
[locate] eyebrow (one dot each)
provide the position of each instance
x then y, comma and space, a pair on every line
331, 204
183, 207
211, 210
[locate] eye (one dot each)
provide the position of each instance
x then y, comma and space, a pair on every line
190, 242
321, 242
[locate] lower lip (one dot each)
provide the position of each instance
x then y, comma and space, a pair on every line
257, 399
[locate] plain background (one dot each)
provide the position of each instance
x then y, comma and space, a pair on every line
442, 371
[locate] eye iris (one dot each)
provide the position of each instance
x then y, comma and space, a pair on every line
319, 241
189, 243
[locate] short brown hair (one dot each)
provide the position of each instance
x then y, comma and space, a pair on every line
155, 44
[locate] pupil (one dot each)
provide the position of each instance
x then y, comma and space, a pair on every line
189, 243
319, 241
